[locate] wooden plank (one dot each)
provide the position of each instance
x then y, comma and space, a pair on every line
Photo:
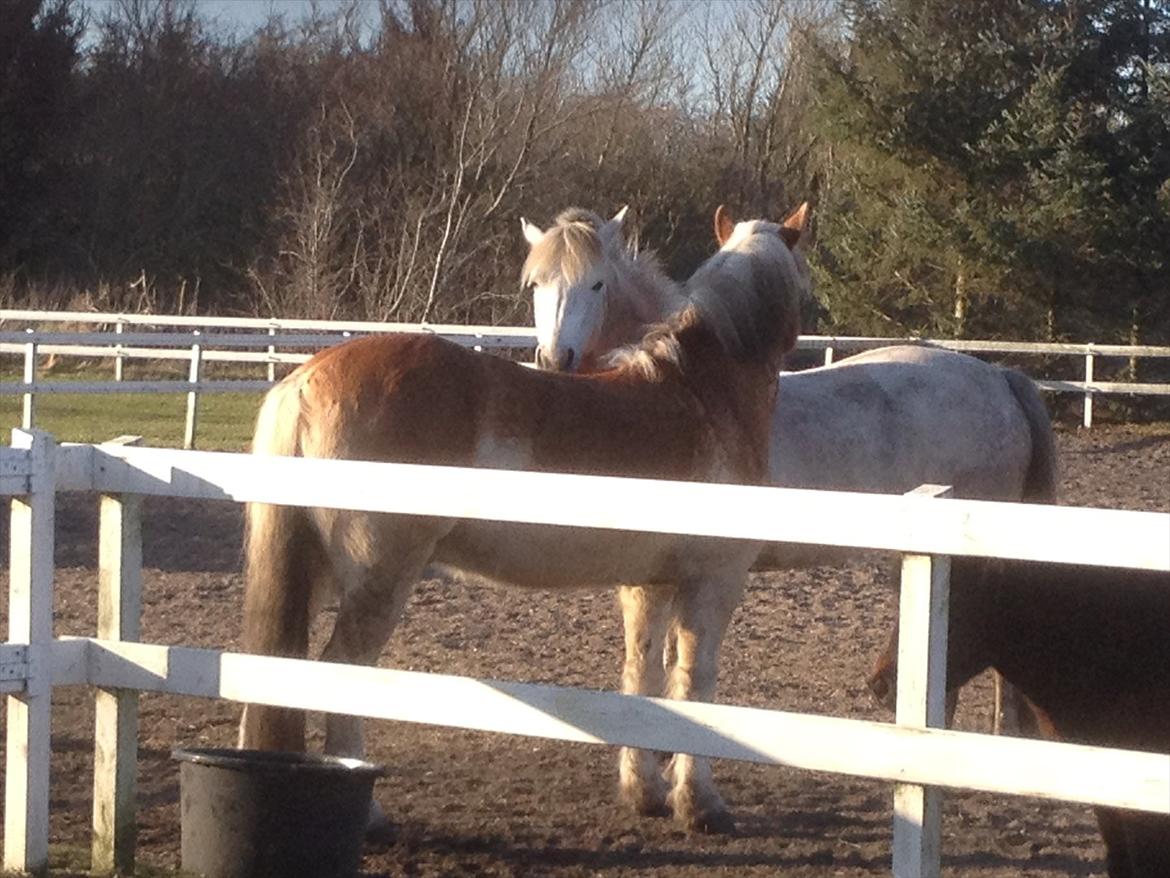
13, 667
105, 344
103, 387
133, 353
193, 397
963, 760
116, 710
285, 325
28, 410
30, 622
526, 334
869, 342
15, 469
1109, 537
922, 681
1088, 401
10, 388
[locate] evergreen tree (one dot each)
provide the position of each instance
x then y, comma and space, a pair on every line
38, 61
1007, 154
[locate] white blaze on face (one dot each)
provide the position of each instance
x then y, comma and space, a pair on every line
569, 319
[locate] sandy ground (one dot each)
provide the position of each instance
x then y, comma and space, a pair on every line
469, 803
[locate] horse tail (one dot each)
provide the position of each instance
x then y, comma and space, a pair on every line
283, 552
1040, 482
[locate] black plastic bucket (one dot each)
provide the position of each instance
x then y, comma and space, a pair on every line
259, 814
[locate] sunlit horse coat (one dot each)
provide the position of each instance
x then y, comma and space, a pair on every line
693, 401
884, 421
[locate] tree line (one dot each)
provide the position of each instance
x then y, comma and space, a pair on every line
991, 169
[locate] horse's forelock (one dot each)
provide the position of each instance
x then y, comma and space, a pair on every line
568, 250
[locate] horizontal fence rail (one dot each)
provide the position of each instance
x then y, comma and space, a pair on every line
927, 529
909, 523
960, 760
235, 340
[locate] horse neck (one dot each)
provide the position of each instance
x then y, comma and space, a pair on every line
738, 397
644, 297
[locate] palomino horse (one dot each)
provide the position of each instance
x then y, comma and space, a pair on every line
694, 401
1090, 648
884, 421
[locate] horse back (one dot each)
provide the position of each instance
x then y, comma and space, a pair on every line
1089, 645
890, 419
421, 399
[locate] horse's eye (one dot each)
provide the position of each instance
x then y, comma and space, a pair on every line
597, 286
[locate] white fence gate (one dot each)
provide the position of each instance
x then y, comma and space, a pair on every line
913, 753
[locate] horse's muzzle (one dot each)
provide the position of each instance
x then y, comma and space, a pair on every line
564, 363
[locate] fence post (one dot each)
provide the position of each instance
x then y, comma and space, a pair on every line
30, 621
1089, 356
922, 681
119, 354
28, 411
115, 758
829, 355
272, 356
193, 395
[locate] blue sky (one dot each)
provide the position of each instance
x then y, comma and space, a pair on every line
242, 15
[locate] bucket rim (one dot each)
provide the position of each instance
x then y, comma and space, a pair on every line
276, 761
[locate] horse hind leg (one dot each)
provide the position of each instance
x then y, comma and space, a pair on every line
646, 615
384, 558
702, 613
373, 598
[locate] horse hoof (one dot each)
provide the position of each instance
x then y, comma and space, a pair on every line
647, 803
714, 819
712, 822
647, 806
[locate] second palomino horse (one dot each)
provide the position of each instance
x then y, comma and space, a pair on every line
884, 421
694, 401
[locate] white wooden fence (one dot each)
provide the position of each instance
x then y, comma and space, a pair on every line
257, 340
914, 753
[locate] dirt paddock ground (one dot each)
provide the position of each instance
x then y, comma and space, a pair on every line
468, 803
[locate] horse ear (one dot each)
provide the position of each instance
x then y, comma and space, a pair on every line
611, 231
794, 226
532, 233
723, 225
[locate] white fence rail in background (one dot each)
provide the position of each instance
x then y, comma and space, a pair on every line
282, 342
912, 753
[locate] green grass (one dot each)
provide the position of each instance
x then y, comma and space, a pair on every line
224, 423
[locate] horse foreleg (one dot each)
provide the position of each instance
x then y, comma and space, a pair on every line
646, 614
702, 612
366, 618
